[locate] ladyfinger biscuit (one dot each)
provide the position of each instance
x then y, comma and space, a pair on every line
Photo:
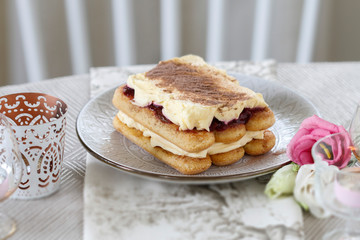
190, 141
183, 164
261, 120
260, 146
231, 134
227, 158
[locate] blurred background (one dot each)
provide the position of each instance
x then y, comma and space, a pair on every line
215, 30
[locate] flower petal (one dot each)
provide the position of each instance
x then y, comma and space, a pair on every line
317, 122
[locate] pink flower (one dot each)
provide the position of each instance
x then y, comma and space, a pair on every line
311, 130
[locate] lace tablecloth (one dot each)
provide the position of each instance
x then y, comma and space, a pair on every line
332, 87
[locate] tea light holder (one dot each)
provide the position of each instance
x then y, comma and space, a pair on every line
38, 121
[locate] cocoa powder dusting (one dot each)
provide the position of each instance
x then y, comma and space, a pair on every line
194, 83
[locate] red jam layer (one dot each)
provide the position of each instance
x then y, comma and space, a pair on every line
216, 125
244, 117
157, 109
129, 92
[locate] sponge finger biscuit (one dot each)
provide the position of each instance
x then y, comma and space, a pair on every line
261, 146
183, 164
227, 158
261, 120
231, 134
190, 141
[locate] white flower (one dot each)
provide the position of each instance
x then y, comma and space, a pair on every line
304, 191
282, 182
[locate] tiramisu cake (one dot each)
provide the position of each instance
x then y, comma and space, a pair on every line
191, 115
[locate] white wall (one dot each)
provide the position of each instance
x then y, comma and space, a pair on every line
3, 44
337, 40
345, 35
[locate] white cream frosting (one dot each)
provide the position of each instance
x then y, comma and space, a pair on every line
158, 141
187, 114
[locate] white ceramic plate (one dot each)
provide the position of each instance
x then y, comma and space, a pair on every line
95, 131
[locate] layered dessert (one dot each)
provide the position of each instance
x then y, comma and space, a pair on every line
191, 115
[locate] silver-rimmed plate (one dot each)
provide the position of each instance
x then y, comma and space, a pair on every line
95, 131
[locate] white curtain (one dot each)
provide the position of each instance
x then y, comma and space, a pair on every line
238, 23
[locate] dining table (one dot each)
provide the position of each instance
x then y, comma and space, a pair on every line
332, 87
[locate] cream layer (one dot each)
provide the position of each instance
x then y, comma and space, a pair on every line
187, 114
158, 141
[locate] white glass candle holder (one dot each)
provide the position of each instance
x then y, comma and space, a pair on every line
39, 122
